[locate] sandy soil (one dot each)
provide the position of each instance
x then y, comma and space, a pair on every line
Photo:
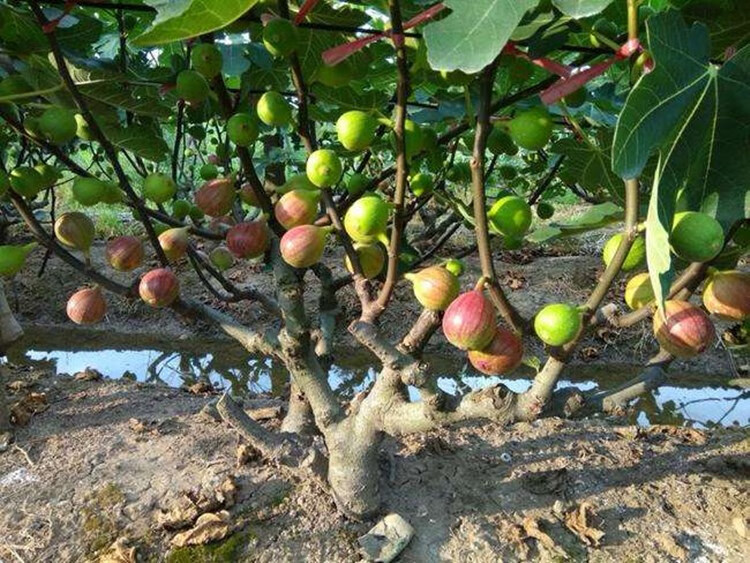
107, 461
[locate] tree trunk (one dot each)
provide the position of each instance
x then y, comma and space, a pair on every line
353, 471
299, 417
10, 331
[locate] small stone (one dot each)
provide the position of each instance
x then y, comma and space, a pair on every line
387, 539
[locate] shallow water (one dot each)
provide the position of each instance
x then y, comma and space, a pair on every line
689, 399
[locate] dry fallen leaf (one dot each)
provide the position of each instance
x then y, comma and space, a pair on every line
191, 505
22, 411
577, 521
120, 552
209, 527
683, 434
532, 529
89, 374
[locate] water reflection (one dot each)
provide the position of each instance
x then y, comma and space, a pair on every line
690, 399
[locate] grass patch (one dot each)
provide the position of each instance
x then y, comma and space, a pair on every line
225, 551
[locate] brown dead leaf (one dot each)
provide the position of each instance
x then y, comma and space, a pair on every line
577, 521
685, 435
209, 527
245, 454
191, 505
89, 374
513, 280
200, 388
516, 536
532, 529
19, 385
21, 411
120, 552
589, 353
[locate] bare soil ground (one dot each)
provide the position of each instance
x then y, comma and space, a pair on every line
109, 461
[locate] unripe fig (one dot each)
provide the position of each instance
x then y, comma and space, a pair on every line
180, 209
88, 191
639, 292
499, 142
125, 253
215, 197
208, 171
454, 266
511, 216
280, 37
371, 259
296, 182
159, 188
303, 246
83, 131
159, 288
544, 210
684, 330
242, 129
206, 59
335, 76
459, 173
469, 321
421, 183
298, 207
247, 195
248, 240
636, 256
196, 215
31, 125
357, 183
434, 287
192, 87
274, 110
86, 306
696, 237
323, 168
356, 130
557, 324
414, 139
58, 125
366, 220
727, 295
197, 132
26, 181
13, 258
48, 173
221, 258
174, 242
531, 129
501, 356
75, 230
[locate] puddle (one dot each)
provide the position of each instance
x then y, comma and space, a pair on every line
690, 399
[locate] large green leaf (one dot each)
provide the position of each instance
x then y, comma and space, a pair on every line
474, 34
202, 16
696, 115
728, 21
347, 98
590, 164
20, 32
140, 100
595, 217
581, 8
144, 139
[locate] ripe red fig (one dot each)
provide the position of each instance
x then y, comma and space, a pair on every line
174, 242
159, 288
727, 295
248, 240
687, 330
215, 197
434, 287
86, 306
371, 258
303, 246
298, 207
75, 230
125, 253
469, 321
503, 355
